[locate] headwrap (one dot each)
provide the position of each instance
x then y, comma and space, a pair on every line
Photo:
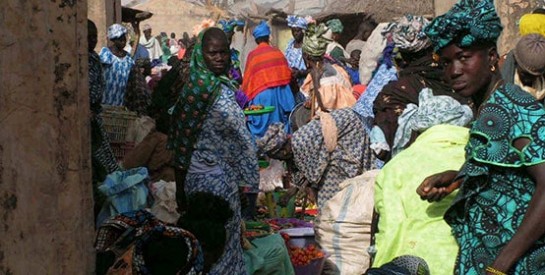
261, 30
295, 21
192, 106
314, 42
407, 33
530, 54
146, 27
230, 25
335, 25
467, 23
532, 23
116, 31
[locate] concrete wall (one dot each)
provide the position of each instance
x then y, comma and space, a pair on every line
46, 219
176, 16
104, 13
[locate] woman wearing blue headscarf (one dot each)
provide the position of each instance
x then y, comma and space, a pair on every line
497, 216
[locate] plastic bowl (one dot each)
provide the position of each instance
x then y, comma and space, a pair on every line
301, 236
313, 268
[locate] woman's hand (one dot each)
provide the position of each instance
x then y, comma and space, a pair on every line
438, 186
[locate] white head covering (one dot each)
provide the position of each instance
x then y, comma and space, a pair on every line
116, 31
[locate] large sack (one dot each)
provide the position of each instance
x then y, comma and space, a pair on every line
343, 227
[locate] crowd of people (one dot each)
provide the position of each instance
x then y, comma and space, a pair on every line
452, 133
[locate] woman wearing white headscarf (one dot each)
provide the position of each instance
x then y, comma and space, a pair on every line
116, 65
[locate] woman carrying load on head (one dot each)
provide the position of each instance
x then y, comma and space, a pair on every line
214, 151
497, 216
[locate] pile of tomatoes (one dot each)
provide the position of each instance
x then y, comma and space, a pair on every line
300, 256
254, 108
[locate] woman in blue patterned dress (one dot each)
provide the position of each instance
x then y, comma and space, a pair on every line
116, 64
294, 51
497, 216
214, 151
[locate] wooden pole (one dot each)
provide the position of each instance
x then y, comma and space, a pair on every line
316, 97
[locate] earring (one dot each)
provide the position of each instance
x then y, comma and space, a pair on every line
493, 68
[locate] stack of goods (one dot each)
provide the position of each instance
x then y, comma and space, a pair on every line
255, 229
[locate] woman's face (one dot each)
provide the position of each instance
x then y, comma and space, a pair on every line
216, 54
120, 42
467, 70
92, 38
297, 34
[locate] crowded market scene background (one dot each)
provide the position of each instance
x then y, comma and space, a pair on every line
292, 143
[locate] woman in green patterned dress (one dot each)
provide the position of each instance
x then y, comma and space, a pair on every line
497, 216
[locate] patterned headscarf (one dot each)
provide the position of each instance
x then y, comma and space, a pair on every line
467, 23
408, 33
295, 21
192, 106
116, 31
315, 43
230, 25
335, 25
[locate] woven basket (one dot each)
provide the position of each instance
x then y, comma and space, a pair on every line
120, 149
117, 120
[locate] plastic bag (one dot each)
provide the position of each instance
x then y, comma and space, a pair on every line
125, 191
271, 177
139, 129
164, 207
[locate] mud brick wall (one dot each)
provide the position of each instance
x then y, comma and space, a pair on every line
46, 224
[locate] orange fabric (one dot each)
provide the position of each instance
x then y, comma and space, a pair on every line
266, 67
358, 90
181, 53
335, 91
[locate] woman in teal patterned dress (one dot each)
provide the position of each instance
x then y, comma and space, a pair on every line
214, 151
497, 216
